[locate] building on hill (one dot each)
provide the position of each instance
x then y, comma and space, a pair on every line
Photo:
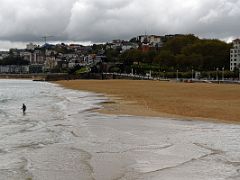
36, 57
149, 42
3, 54
153, 40
31, 46
26, 55
128, 45
121, 45
235, 55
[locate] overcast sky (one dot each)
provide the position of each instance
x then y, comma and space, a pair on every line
23, 21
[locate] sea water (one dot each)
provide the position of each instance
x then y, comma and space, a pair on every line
60, 138
48, 111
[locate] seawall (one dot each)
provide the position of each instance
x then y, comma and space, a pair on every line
57, 77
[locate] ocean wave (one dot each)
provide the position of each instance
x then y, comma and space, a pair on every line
5, 100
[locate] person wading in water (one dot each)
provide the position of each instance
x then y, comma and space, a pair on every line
24, 108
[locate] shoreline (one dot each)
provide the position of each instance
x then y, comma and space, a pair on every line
165, 99
118, 106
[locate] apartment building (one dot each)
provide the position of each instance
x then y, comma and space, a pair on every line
153, 40
235, 55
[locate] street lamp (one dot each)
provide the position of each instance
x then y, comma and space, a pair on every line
192, 73
177, 74
223, 74
209, 76
239, 74
217, 74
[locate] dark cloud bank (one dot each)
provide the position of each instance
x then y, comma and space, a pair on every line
104, 20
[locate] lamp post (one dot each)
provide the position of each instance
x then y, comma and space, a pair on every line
192, 73
177, 74
223, 74
239, 74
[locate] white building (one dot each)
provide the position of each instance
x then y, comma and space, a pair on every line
235, 55
35, 57
127, 46
50, 62
31, 46
153, 40
26, 56
38, 57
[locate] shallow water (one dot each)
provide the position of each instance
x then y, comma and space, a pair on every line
58, 138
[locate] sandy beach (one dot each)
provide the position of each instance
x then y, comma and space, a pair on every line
166, 99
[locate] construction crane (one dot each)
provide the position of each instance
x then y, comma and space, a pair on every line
45, 38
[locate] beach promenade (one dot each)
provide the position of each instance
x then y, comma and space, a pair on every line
166, 99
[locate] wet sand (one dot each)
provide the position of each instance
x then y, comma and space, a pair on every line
219, 102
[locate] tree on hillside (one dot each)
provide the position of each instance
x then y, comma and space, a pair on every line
14, 60
130, 56
165, 59
112, 54
186, 63
96, 48
215, 53
133, 40
148, 57
176, 44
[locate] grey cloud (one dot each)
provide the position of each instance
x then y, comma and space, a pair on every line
104, 20
22, 20
221, 20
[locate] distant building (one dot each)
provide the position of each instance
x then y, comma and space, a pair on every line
145, 44
39, 57
14, 69
36, 68
31, 46
26, 56
170, 36
3, 54
152, 40
50, 62
113, 46
36, 57
128, 45
14, 51
235, 55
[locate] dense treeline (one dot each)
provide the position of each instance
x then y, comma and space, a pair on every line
13, 60
181, 53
